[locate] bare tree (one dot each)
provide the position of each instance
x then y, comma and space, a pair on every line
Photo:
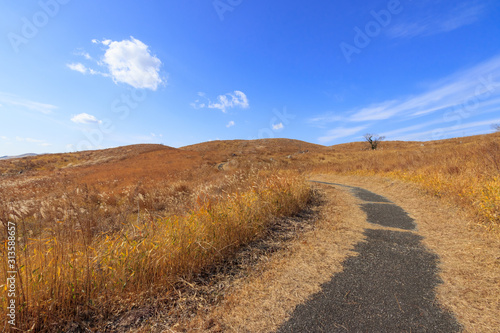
496, 127
373, 140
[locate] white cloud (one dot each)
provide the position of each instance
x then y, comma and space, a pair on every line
224, 102
130, 62
430, 24
340, 132
230, 124
25, 103
4, 138
85, 118
277, 127
127, 61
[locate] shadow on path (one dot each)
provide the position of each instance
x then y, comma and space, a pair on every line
388, 287
388, 216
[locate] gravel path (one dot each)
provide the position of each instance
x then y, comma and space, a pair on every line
388, 287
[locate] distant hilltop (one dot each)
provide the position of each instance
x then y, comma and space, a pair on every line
19, 156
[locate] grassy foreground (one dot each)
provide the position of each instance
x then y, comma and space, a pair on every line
89, 256
99, 233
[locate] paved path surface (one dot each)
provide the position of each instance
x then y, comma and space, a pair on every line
388, 287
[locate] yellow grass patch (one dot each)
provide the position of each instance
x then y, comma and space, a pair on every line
69, 270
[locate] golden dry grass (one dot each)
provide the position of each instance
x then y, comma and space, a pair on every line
261, 299
463, 171
111, 232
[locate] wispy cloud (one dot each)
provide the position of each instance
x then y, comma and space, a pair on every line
404, 130
84, 54
473, 88
456, 98
41, 143
18, 138
224, 102
476, 88
477, 127
79, 67
463, 14
230, 124
14, 100
326, 118
128, 61
151, 138
340, 132
85, 118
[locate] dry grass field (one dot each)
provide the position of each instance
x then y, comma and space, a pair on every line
101, 232
462, 171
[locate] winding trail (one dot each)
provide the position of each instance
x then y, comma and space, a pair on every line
388, 287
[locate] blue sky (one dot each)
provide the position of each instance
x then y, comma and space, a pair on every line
78, 75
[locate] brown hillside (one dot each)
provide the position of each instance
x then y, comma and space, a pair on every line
110, 170
409, 145
384, 145
266, 146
